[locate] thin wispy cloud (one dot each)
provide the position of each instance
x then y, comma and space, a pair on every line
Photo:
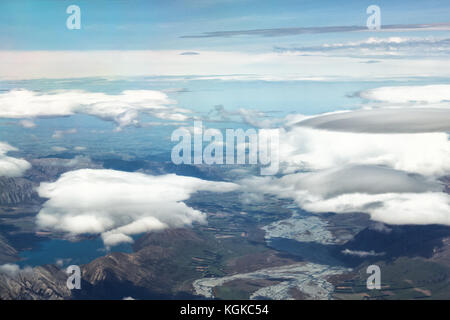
189, 53
280, 32
391, 47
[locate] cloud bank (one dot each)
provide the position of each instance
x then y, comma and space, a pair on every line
123, 108
9, 166
384, 160
228, 65
387, 195
118, 204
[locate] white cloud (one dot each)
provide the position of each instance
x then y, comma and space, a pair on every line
27, 123
123, 108
265, 65
362, 254
360, 179
385, 161
58, 134
387, 195
421, 95
384, 120
313, 149
13, 270
254, 118
10, 269
118, 204
59, 149
9, 166
412, 138
400, 109
60, 262
378, 47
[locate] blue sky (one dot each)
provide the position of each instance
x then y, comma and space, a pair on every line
156, 25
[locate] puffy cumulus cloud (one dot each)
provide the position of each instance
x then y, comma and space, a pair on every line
384, 120
384, 160
407, 130
410, 94
118, 204
387, 195
9, 166
123, 108
302, 148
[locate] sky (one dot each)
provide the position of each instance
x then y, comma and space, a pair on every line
144, 25
203, 37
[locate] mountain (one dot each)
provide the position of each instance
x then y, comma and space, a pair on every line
46, 282
17, 190
153, 271
7, 252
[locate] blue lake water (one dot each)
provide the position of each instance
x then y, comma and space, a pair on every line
80, 252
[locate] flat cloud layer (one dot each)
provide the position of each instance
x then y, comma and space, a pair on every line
387, 120
402, 109
123, 108
374, 47
360, 179
9, 166
226, 65
118, 204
